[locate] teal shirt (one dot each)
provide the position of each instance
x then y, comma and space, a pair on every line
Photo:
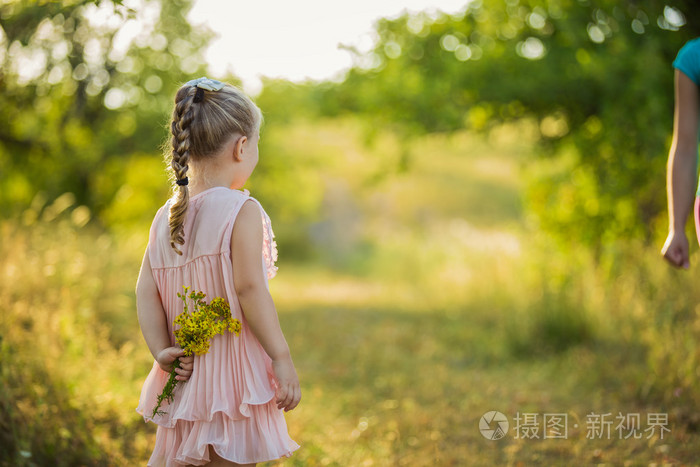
688, 61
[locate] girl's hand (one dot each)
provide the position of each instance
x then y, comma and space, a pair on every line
167, 356
675, 250
288, 392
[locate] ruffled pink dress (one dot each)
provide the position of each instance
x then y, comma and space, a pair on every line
229, 401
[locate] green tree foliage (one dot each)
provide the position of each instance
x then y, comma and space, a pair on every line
86, 87
596, 76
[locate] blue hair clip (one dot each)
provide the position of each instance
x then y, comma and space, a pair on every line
206, 83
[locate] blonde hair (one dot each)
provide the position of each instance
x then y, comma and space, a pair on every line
199, 130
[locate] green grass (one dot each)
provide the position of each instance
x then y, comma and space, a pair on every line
406, 387
428, 302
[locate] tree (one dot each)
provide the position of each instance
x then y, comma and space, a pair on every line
86, 86
595, 75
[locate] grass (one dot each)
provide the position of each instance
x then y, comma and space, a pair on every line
424, 409
429, 303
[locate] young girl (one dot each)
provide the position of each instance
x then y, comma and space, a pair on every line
213, 237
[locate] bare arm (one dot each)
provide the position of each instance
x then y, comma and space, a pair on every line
257, 304
154, 326
681, 169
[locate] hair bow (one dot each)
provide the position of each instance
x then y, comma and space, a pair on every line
206, 83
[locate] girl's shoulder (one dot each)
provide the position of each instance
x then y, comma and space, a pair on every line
269, 244
162, 211
217, 201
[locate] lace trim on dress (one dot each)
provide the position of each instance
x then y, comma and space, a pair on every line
269, 247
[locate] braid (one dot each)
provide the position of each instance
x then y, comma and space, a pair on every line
181, 143
203, 121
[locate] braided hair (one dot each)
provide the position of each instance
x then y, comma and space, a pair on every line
203, 121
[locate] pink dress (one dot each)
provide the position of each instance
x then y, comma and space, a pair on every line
229, 400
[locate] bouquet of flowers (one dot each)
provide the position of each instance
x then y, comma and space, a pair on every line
197, 328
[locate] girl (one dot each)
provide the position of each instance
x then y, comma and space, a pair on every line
682, 159
216, 239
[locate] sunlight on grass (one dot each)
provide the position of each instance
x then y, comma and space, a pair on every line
427, 302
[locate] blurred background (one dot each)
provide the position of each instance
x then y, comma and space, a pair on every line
469, 204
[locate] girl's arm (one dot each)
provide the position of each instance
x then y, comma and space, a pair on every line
681, 169
257, 304
154, 326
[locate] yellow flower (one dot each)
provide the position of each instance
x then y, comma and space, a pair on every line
196, 330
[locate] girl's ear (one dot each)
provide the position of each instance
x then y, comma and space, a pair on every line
238, 148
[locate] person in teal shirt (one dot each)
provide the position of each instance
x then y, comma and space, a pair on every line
681, 178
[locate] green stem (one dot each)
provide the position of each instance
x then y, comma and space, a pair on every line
167, 394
